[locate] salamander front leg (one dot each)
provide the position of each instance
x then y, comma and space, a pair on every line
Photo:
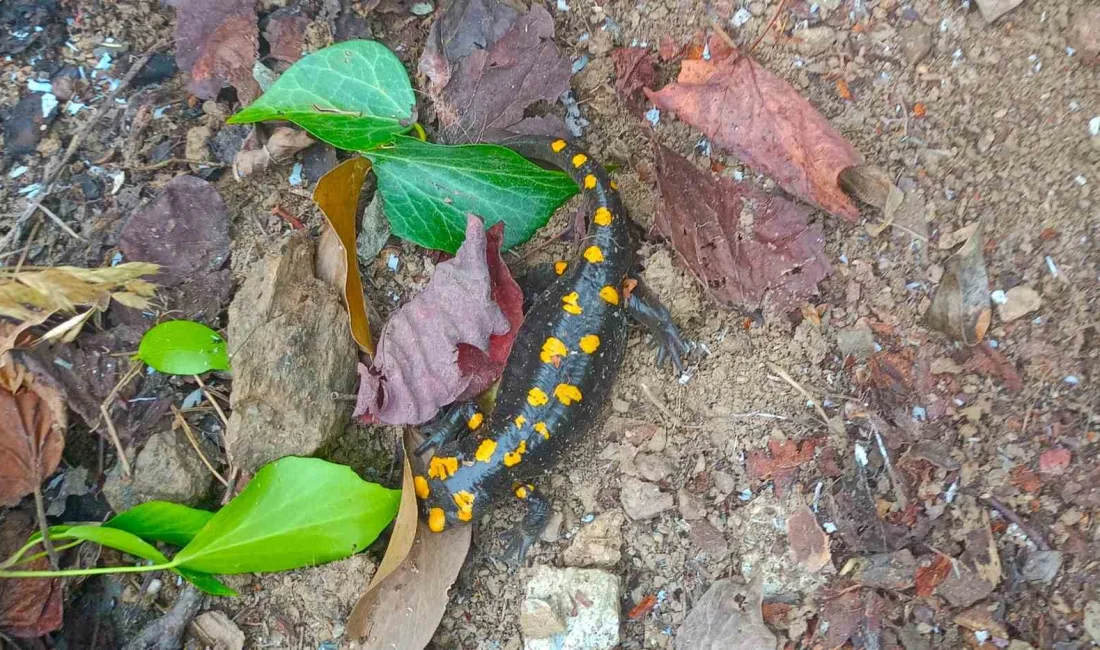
646, 309
449, 425
520, 538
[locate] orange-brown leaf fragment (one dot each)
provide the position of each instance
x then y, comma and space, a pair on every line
763, 120
31, 441
337, 194
748, 248
29, 607
929, 577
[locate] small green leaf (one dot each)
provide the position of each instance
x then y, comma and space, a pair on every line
116, 539
427, 190
206, 582
183, 347
161, 521
295, 512
353, 95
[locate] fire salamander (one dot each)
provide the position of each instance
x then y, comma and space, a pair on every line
560, 371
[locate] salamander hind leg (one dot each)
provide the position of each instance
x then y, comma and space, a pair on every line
646, 309
520, 538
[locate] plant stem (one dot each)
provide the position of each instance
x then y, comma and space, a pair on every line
32, 558
420, 132
86, 572
44, 526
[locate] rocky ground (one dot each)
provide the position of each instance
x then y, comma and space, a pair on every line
842, 474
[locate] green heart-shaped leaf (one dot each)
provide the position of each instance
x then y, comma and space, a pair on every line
353, 95
183, 347
427, 190
161, 521
295, 512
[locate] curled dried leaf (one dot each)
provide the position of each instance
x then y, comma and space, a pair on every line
32, 420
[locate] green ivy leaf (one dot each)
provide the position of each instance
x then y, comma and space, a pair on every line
427, 190
295, 512
183, 347
161, 521
353, 95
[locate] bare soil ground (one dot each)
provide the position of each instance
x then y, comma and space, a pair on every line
989, 123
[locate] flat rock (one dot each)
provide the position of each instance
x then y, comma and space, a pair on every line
994, 9
691, 506
294, 352
857, 341
705, 537
815, 40
538, 620
586, 601
216, 630
166, 469
598, 544
1041, 566
1083, 34
653, 467
1019, 302
965, 587
916, 42
643, 500
895, 571
979, 619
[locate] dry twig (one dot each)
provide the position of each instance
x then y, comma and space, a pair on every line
195, 444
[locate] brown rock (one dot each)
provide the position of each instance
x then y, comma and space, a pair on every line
691, 506
994, 9
709, 540
1083, 34
599, 544
916, 42
295, 352
166, 469
643, 500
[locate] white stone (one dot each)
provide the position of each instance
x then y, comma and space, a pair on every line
587, 600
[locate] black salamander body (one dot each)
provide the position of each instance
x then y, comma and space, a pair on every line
560, 371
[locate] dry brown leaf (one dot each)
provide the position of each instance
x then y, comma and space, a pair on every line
406, 600
960, 308
337, 194
809, 543
748, 248
32, 423
280, 147
765, 122
870, 184
29, 607
728, 616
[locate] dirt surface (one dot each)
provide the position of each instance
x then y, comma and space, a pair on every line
940, 443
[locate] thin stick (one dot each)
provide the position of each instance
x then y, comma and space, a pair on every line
44, 527
30, 243
1010, 515
172, 161
195, 443
656, 402
61, 224
718, 29
14, 235
895, 480
113, 435
767, 29
210, 397
797, 386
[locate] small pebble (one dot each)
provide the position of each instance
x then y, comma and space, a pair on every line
741, 17
1072, 380
563, 6
1094, 126
49, 104
746, 495
653, 115
16, 172
861, 455
36, 86
296, 175
829, 527
998, 297
1052, 266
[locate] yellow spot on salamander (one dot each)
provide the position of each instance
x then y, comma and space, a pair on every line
514, 457
590, 182
614, 185
464, 500
579, 159
485, 450
610, 294
420, 485
593, 254
559, 267
537, 397
603, 217
567, 394
557, 145
552, 349
437, 521
442, 467
520, 421
521, 492
543, 431
475, 421
590, 343
570, 303
465, 515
